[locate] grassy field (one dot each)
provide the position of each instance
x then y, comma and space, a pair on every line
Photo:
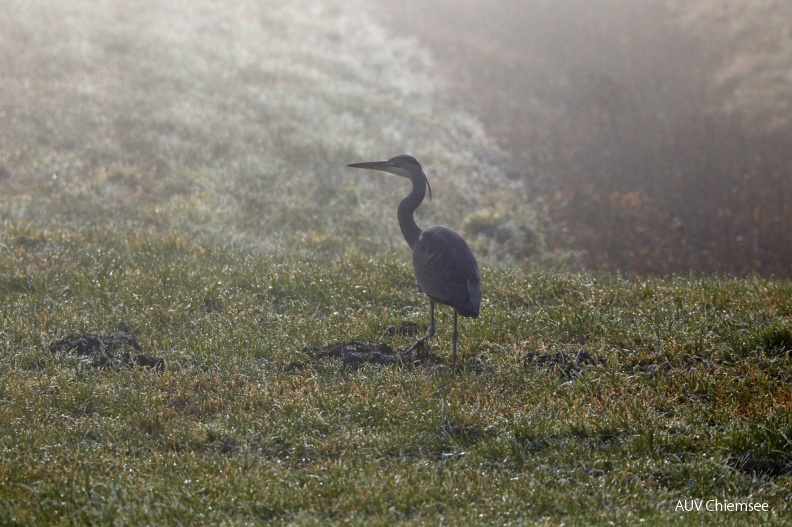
669, 389
172, 177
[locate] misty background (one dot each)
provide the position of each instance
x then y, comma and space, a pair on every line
646, 137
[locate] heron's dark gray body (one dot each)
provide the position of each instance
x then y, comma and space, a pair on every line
444, 265
446, 270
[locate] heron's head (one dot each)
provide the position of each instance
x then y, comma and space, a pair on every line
404, 166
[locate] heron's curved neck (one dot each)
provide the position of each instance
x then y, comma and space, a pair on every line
409, 229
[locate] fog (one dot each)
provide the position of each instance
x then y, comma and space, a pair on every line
646, 137
658, 131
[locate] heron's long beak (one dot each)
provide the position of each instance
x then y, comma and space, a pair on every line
382, 166
387, 166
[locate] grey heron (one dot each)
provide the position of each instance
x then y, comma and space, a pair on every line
444, 265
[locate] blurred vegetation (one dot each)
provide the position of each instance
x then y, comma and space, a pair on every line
649, 137
659, 133
232, 122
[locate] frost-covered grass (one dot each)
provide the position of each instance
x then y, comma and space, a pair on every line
685, 393
232, 122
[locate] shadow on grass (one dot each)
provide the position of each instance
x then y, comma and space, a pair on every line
566, 364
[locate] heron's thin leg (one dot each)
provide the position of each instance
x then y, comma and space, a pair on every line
454, 340
431, 332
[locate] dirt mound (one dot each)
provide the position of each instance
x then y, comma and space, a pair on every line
755, 466
355, 353
107, 351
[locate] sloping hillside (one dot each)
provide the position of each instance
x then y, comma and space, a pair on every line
233, 122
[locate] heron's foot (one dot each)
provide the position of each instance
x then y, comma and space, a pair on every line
419, 344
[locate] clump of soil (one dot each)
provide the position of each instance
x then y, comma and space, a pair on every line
107, 350
355, 353
567, 364
750, 464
